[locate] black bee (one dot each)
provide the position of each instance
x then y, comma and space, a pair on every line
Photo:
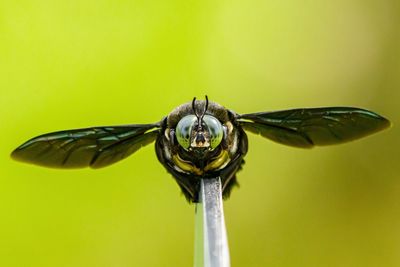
199, 140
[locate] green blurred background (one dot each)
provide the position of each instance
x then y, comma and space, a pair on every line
72, 64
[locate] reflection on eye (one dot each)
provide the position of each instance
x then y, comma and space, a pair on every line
215, 129
184, 129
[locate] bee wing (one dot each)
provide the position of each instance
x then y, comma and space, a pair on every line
94, 147
310, 127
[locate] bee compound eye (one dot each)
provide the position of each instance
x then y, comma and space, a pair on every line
184, 129
215, 129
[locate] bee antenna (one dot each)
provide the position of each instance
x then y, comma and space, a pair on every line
194, 106
200, 118
205, 108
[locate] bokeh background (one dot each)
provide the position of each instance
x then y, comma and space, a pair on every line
72, 64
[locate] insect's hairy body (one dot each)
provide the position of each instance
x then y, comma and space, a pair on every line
189, 166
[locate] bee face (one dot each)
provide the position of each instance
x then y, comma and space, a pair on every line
198, 135
193, 133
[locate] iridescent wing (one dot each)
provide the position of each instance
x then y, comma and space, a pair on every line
90, 147
310, 127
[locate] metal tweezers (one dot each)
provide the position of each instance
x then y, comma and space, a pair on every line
211, 242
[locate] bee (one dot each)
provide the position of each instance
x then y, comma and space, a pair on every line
200, 140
